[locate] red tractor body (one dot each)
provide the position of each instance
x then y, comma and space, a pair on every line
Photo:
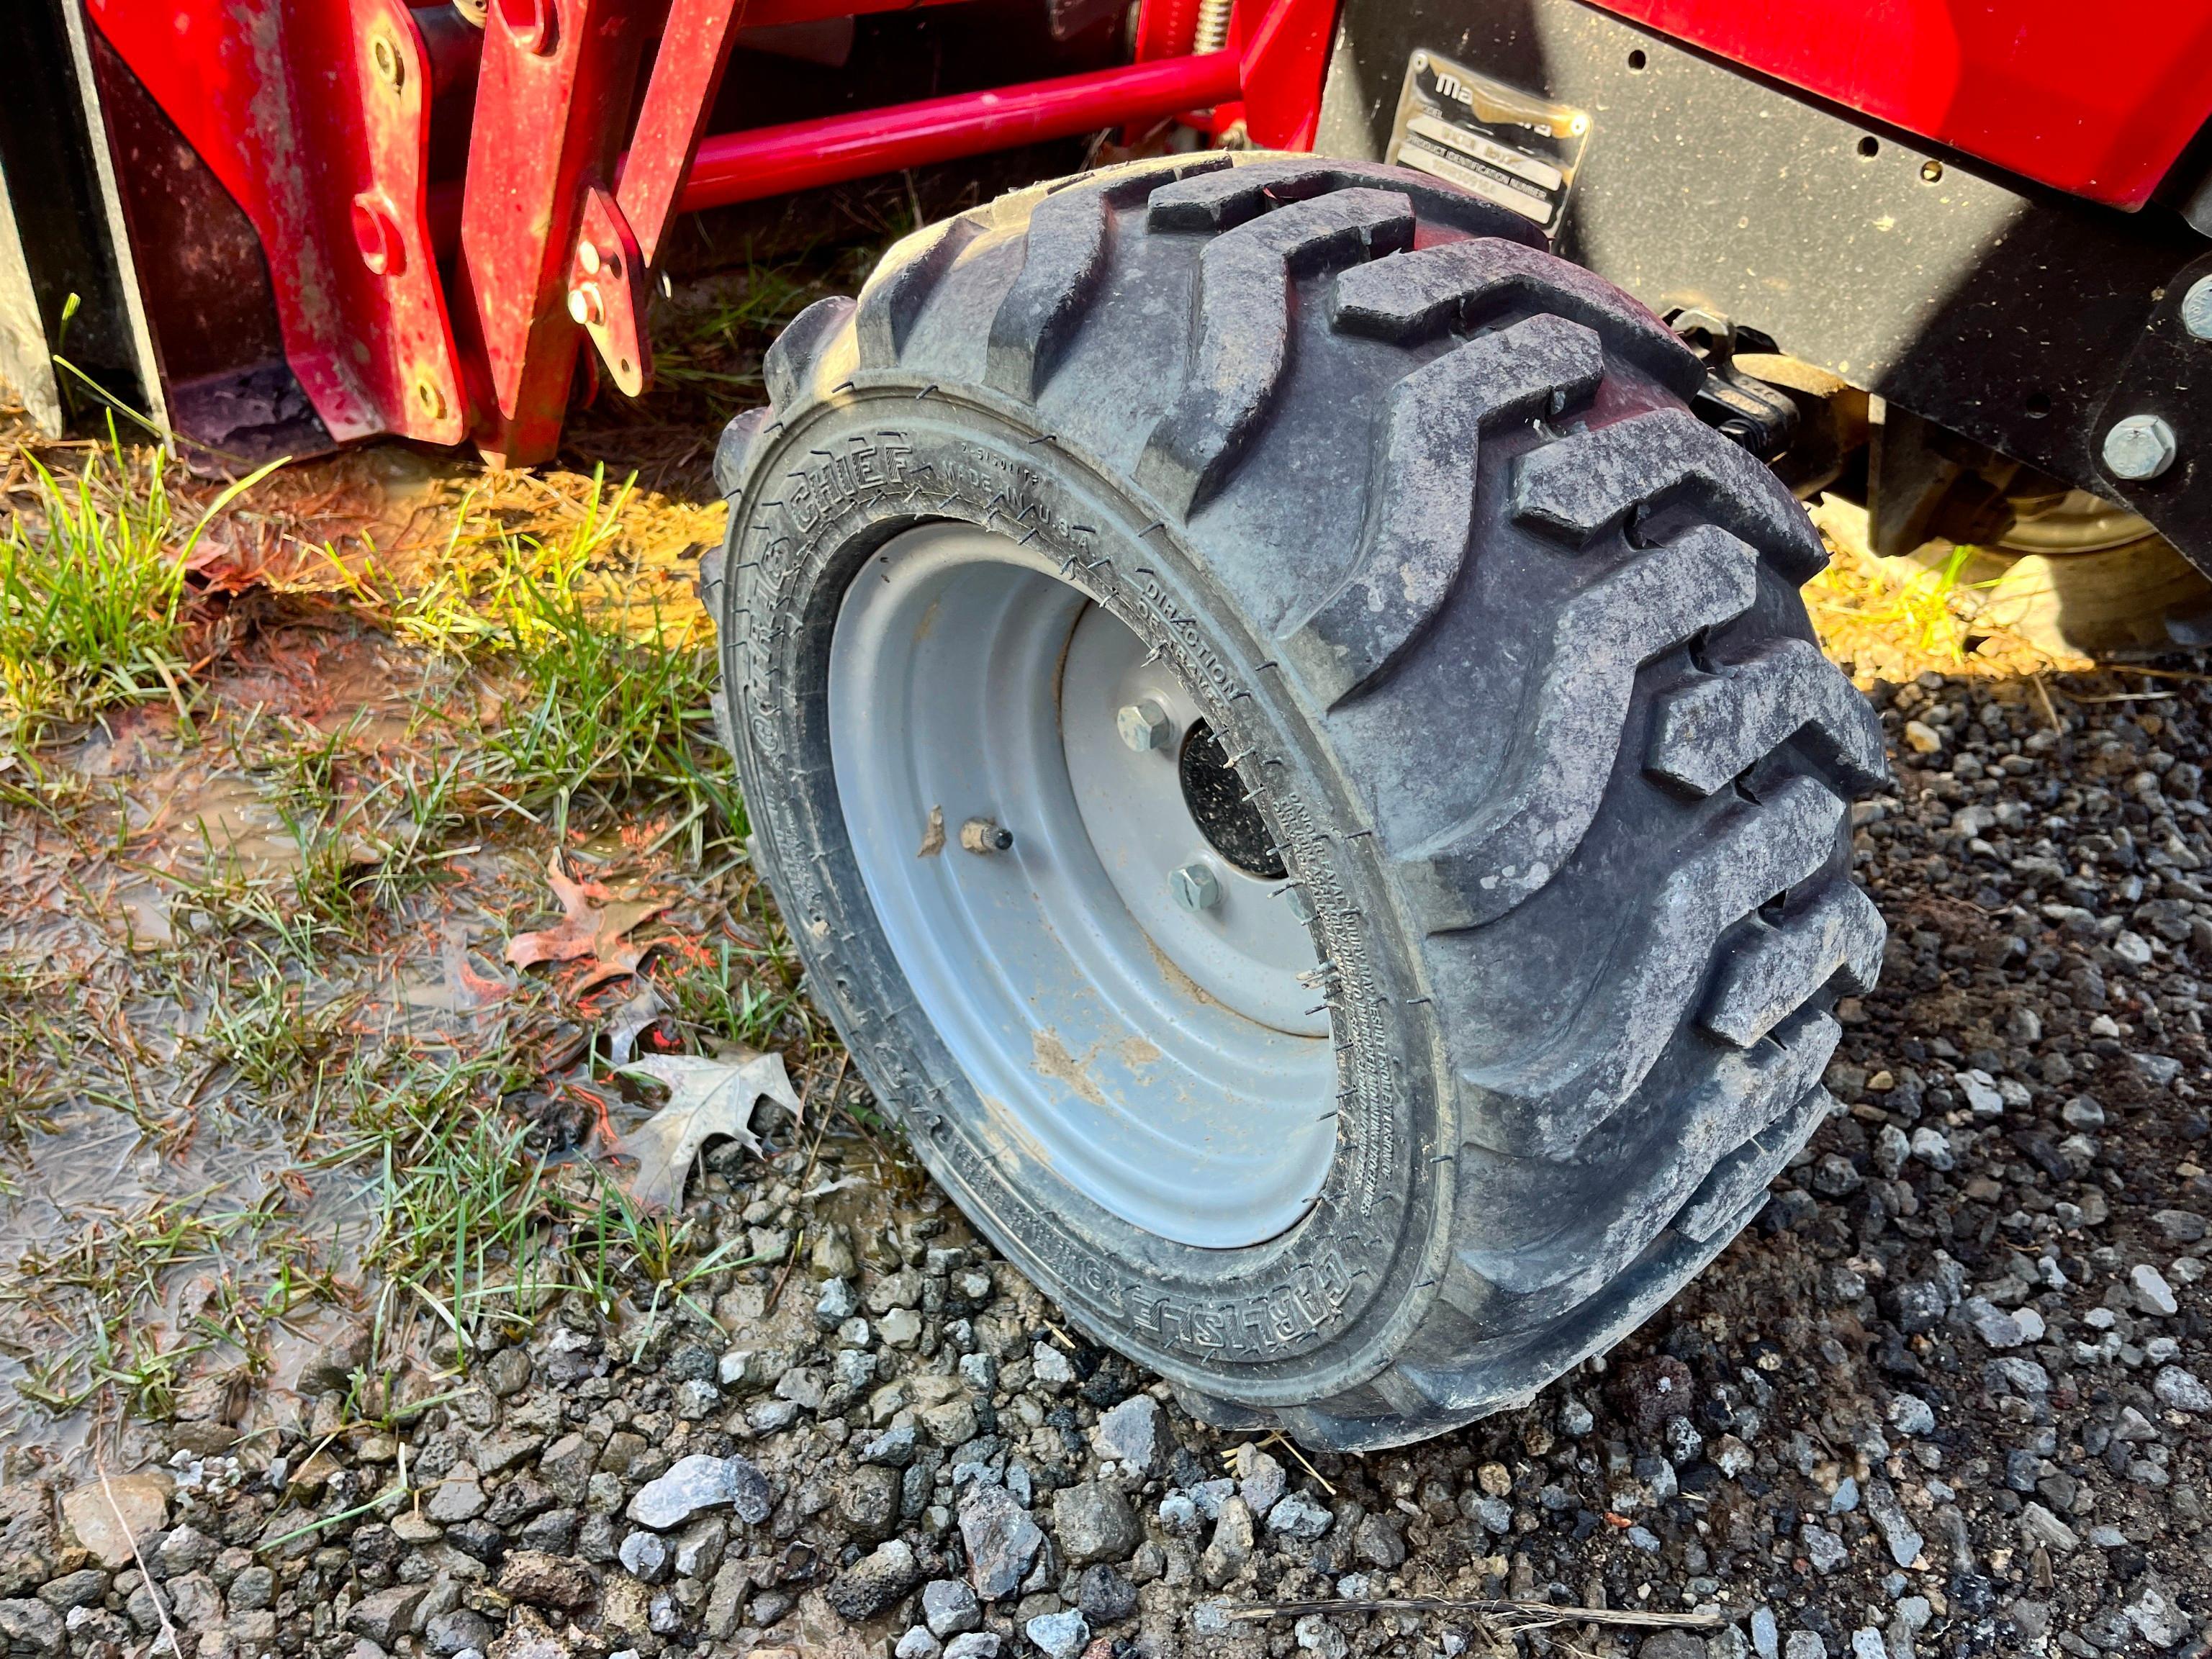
2101, 110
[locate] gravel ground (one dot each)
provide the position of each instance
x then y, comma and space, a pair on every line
1945, 1396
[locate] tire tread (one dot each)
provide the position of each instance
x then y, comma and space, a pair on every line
1642, 1125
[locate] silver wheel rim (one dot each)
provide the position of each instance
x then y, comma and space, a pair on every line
1171, 1064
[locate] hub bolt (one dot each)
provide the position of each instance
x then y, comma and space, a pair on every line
1196, 886
2140, 446
2197, 308
1144, 725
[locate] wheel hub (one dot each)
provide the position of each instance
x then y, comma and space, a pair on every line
1125, 982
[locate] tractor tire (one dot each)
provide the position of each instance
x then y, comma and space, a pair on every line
1301, 773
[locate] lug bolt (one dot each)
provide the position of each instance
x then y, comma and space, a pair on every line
2197, 308
982, 836
1195, 887
2140, 446
1144, 725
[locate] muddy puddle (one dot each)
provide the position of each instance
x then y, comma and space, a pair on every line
268, 1077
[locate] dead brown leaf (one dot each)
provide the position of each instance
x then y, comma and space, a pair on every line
707, 1098
593, 929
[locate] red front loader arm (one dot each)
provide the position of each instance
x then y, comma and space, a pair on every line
444, 310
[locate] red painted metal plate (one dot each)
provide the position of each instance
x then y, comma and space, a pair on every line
314, 116
2098, 102
607, 293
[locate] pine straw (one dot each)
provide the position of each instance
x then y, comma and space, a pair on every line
397, 522
1878, 628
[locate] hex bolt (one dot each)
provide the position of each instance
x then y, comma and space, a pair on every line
587, 256
585, 305
1196, 886
1144, 725
2197, 308
2140, 446
982, 836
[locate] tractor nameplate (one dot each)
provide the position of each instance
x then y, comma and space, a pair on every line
1507, 146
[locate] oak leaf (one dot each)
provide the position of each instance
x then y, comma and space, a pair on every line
706, 1098
594, 927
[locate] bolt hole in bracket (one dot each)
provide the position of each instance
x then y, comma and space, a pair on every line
533, 24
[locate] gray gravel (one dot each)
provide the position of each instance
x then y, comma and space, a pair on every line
1948, 1396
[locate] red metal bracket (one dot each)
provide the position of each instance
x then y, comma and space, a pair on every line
316, 118
621, 233
550, 96
694, 50
607, 292
420, 392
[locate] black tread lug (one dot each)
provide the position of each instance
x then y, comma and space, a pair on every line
1065, 255
1415, 297
1421, 507
1243, 328
789, 363
901, 285
1592, 481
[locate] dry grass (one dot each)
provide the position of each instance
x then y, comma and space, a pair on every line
1881, 627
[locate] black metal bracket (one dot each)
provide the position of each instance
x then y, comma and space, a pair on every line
2169, 376
1746, 410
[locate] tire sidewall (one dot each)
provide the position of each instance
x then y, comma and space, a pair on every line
1326, 1305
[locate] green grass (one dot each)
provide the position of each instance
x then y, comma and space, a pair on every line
277, 1043
460, 1199
581, 700
716, 347
30, 1042
92, 589
604, 714
481, 1230
215, 897
735, 995
103, 1296
595, 705
405, 822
